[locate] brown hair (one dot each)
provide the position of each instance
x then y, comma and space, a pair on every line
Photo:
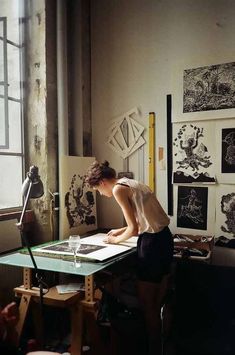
97, 172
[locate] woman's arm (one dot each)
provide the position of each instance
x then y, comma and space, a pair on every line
122, 195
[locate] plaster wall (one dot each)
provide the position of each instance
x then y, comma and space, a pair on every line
41, 109
136, 46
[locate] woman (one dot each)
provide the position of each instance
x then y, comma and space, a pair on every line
144, 217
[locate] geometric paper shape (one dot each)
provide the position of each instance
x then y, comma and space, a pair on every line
125, 134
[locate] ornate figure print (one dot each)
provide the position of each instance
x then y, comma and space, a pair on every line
191, 155
192, 207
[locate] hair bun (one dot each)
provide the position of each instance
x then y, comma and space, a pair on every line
105, 164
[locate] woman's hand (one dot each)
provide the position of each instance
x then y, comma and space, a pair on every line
115, 232
111, 239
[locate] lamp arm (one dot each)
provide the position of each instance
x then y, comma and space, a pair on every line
20, 225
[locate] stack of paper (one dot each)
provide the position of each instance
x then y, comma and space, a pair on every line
71, 287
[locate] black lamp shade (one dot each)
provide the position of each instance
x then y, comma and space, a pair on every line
34, 180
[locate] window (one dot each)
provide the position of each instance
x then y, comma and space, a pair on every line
11, 103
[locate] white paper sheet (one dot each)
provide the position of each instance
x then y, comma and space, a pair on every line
105, 252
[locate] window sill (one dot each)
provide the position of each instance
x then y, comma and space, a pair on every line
28, 217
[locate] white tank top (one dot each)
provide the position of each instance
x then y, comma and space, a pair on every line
149, 213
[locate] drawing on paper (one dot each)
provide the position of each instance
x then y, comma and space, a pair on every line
209, 88
192, 207
79, 203
228, 150
125, 134
191, 155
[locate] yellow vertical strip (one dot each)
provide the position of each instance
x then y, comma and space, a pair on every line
152, 151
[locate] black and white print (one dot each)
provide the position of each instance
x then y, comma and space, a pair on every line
79, 203
228, 151
78, 200
192, 207
64, 248
209, 88
225, 151
225, 212
193, 149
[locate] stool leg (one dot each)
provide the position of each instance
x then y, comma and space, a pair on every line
77, 329
38, 324
23, 310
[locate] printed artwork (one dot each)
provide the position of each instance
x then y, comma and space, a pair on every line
192, 207
209, 88
225, 212
225, 151
193, 159
64, 248
78, 201
228, 150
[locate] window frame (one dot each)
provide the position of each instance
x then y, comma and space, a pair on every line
20, 100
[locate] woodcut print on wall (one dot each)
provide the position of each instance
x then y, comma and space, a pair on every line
78, 202
192, 207
209, 88
225, 212
193, 149
228, 151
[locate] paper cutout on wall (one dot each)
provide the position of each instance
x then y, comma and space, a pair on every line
193, 150
125, 134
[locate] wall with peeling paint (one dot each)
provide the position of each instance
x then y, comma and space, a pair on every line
41, 112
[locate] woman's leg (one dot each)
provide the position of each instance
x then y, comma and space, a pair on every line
151, 296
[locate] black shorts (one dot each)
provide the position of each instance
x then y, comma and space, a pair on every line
154, 255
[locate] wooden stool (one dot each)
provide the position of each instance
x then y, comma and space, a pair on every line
52, 298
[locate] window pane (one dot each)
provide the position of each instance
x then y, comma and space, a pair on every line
1, 61
2, 123
15, 144
10, 9
3, 82
10, 181
13, 63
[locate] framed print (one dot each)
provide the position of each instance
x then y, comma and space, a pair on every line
193, 152
204, 92
194, 207
77, 199
225, 211
225, 151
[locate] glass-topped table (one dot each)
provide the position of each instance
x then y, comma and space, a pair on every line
60, 265
29, 293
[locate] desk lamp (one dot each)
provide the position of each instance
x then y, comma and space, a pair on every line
32, 188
